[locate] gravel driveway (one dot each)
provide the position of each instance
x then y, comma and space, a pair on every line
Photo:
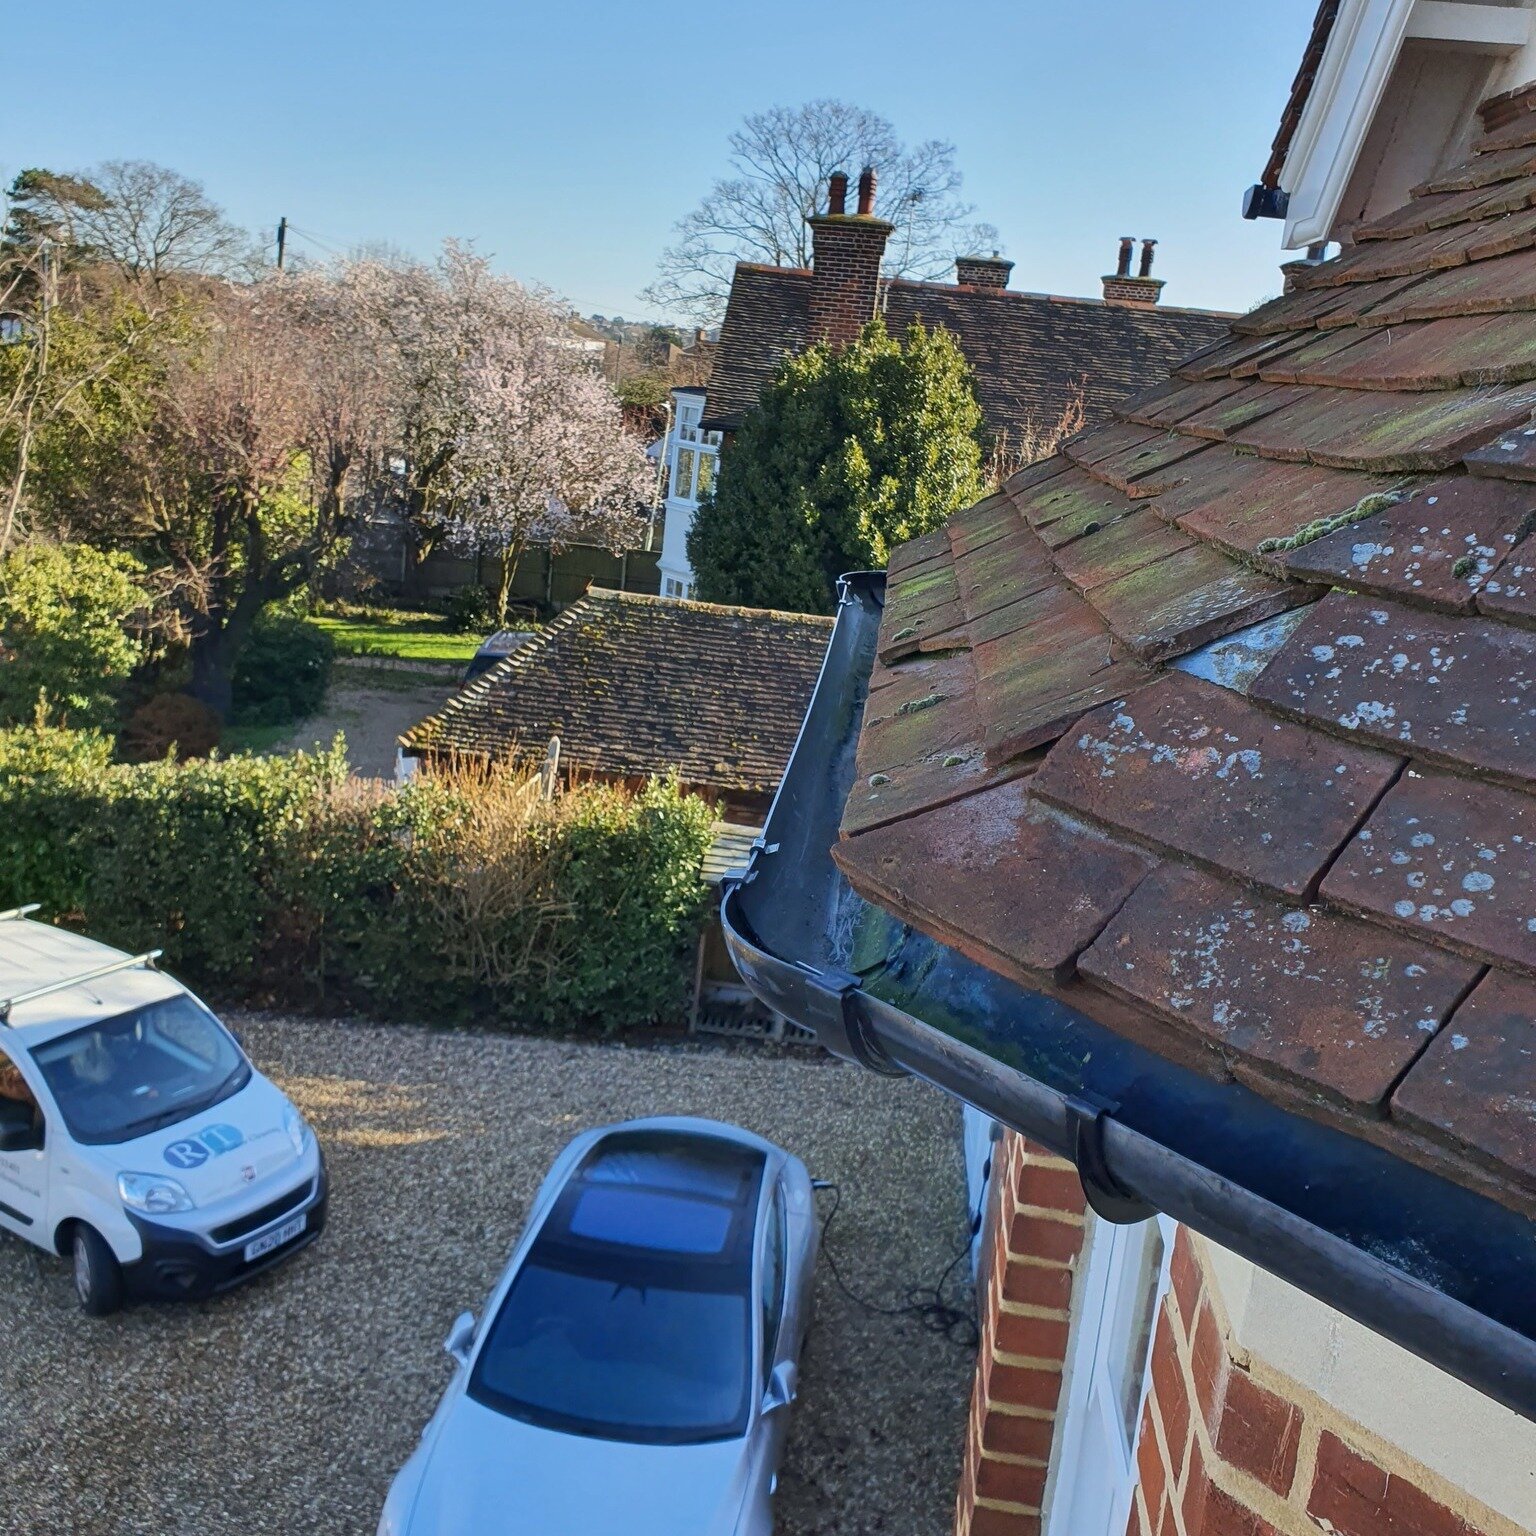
286, 1406
372, 704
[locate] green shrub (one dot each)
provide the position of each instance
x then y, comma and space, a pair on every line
471, 610
63, 608
282, 671
453, 898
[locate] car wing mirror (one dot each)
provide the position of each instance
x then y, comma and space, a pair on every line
781, 1387
460, 1337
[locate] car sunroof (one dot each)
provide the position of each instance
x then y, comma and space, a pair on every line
645, 1218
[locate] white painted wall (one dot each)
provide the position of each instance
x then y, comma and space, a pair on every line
692, 457
1468, 1439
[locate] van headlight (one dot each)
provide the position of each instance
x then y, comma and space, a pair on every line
298, 1130
152, 1192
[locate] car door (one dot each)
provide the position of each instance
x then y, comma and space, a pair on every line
23, 1158
769, 1428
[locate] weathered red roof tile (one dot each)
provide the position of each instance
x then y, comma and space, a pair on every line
1075, 494
1391, 258
1150, 467
1036, 887
1236, 500
1475, 1087
1198, 771
1235, 357
1510, 591
917, 552
1338, 1006
1522, 130
925, 604
981, 525
1187, 598
1436, 547
1498, 237
1436, 354
1004, 571
1451, 860
1385, 431
1245, 405
1117, 549
1510, 456
1460, 691
1480, 288
1055, 665
1482, 170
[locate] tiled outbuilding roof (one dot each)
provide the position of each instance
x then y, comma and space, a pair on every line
1030, 352
1221, 725
636, 685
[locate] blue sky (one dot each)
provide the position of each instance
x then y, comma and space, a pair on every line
566, 138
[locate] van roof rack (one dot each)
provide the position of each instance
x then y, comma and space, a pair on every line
26, 911
127, 963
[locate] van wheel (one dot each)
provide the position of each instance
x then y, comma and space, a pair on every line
98, 1275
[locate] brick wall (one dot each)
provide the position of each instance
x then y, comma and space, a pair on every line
1030, 1247
1228, 1448
845, 288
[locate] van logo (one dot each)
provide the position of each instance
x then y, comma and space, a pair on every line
211, 1141
248, 1173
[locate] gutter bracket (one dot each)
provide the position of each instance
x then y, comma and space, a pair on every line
834, 1016
1107, 1197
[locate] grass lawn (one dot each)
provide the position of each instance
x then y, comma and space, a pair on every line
253, 738
408, 636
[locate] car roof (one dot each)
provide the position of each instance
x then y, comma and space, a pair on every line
34, 954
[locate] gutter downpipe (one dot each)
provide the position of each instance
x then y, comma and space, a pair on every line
1126, 1175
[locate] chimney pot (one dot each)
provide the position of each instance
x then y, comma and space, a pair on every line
1147, 249
1127, 246
867, 191
837, 193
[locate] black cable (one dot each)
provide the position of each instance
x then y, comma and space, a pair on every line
924, 1302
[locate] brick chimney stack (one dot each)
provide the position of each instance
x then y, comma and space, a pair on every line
847, 249
982, 271
1141, 291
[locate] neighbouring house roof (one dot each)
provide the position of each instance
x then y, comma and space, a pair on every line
636, 685
1030, 352
1220, 726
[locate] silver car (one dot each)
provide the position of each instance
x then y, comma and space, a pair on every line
634, 1367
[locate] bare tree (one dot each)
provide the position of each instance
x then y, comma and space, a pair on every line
780, 161
146, 220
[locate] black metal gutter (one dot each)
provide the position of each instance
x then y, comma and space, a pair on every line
1443, 1272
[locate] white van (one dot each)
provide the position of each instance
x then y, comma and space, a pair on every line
135, 1136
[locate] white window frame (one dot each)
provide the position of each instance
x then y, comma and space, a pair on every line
1104, 1304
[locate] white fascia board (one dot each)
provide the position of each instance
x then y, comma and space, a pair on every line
1351, 79
1496, 28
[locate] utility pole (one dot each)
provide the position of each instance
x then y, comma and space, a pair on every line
282, 241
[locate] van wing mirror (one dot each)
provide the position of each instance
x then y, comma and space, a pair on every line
20, 1138
460, 1337
781, 1387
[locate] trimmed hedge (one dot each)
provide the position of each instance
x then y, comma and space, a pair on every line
282, 671
280, 880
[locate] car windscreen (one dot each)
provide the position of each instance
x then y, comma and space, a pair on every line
641, 1360
129, 1075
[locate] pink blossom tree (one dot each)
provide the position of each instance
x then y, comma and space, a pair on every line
539, 451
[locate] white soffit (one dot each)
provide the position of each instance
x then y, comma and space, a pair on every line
1351, 81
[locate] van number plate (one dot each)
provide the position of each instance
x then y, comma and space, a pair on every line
276, 1238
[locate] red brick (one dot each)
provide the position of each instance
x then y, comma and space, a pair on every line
1208, 1360
1055, 1187
1150, 1471
1003, 1522
1197, 1488
1012, 1434
1023, 1386
1040, 1338
1035, 1285
1360, 1498
1010, 1482
1185, 1272
1039, 1237
1224, 1516
1172, 1393
1259, 1432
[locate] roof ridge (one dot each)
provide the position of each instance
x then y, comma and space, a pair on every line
662, 600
